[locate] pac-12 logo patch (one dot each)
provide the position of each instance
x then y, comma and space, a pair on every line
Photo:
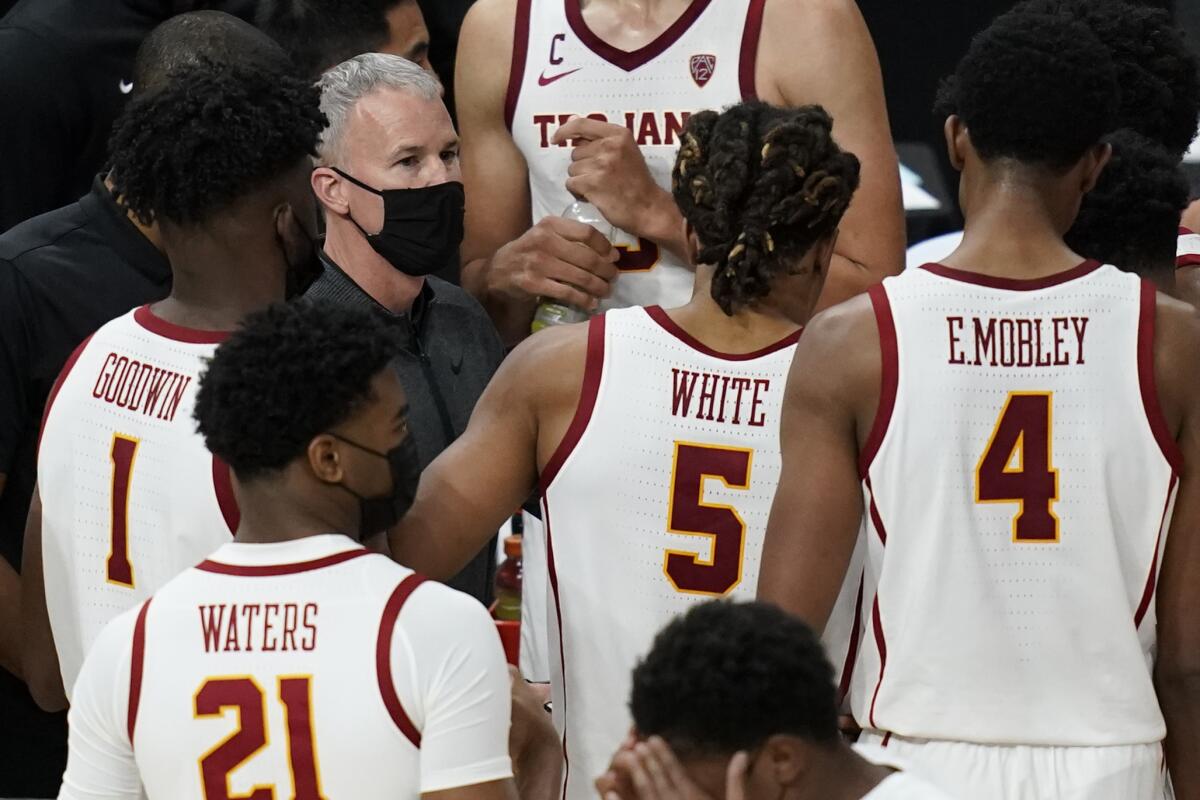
702, 67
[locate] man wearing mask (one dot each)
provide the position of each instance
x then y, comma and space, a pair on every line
389, 179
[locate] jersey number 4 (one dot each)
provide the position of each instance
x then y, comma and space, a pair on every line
246, 697
1016, 467
721, 524
124, 451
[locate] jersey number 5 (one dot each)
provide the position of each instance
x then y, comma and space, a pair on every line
689, 514
124, 451
1016, 467
245, 696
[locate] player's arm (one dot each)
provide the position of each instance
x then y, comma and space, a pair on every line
820, 51
10, 618
508, 265
469, 490
39, 658
815, 518
1177, 669
100, 761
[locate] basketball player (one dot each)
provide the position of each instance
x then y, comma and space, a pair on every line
633, 73
293, 662
1130, 218
1015, 423
652, 433
219, 158
736, 700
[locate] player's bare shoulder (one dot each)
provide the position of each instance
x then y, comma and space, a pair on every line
485, 51
799, 35
1177, 357
839, 351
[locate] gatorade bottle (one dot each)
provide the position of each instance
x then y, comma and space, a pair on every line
549, 313
508, 581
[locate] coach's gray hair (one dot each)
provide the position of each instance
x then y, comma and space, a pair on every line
355, 78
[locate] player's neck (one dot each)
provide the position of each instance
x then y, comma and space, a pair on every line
748, 330
269, 515
217, 283
373, 273
842, 775
630, 24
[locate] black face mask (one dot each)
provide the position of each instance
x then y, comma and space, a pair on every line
307, 267
422, 228
378, 514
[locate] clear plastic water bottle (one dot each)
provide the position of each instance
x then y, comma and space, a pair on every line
551, 313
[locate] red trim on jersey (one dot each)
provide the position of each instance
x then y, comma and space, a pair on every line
876, 519
1185, 231
383, 657
889, 378
748, 58
562, 649
58, 382
226, 500
1145, 349
593, 367
1151, 583
1187, 260
169, 330
271, 570
516, 68
630, 60
887, 737
135, 669
852, 650
881, 645
1014, 284
672, 327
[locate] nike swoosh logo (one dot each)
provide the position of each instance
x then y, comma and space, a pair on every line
544, 81
125, 86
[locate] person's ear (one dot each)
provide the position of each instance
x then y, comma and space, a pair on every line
957, 141
692, 243
1095, 161
330, 190
325, 460
786, 758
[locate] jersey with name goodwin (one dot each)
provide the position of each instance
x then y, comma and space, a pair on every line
130, 495
561, 69
1019, 484
657, 499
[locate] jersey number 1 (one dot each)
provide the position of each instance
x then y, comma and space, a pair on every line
1016, 467
689, 514
124, 451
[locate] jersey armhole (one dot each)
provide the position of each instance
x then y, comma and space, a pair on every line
1148, 310
516, 68
383, 657
593, 368
889, 376
748, 58
135, 669
58, 382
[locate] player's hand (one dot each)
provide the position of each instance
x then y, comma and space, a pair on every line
608, 170
656, 774
532, 741
559, 259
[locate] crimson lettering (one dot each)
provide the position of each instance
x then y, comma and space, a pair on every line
1016, 342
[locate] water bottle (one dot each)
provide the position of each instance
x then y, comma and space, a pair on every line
550, 313
508, 581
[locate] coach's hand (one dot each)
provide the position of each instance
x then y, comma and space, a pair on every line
607, 170
558, 259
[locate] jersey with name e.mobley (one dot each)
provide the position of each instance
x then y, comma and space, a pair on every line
1019, 483
306, 669
561, 69
657, 499
130, 495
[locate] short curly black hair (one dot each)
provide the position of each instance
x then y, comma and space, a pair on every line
1039, 89
760, 185
1131, 218
211, 135
726, 676
319, 34
287, 374
1158, 73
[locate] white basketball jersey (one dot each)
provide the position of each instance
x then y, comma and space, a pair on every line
130, 495
656, 499
1187, 254
1019, 483
560, 69
314, 667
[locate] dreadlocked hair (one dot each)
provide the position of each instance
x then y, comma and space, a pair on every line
760, 185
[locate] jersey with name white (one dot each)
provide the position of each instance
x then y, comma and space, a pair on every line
1019, 482
1187, 251
560, 69
657, 499
312, 667
130, 495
